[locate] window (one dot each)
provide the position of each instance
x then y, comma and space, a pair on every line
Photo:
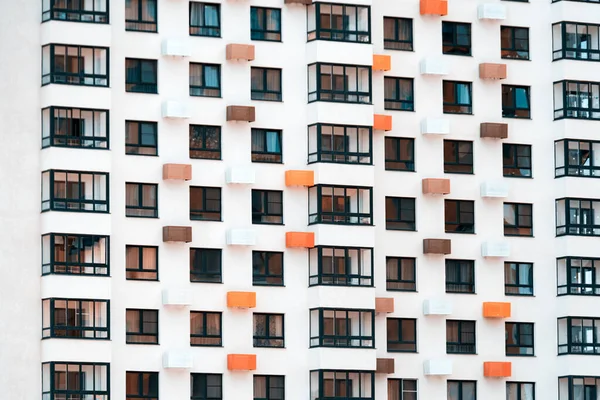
205, 19
141, 15
397, 33
456, 38
515, 102
459, 216
402, 335
400, 214
514, 43
268, 330
75, 127
340, 144
578, 217
265, 24
331, 327
402, 389
75, 191
340, 266
205, 142
75, 65
520, 391
457, 97
518, 219
519, 339
266, 145
401, 274
339, 22
576, 41
267, 268
460, 337
205, 80
62, 380
206, 386
462, 390
141, 385
141, 263
518, 279
141, 76
205, 265
340, 205
339, 83
141, 138
75, 254
267, 207
141, 200
399, 94
399, 154
342, 384
578, 335
577, 158
142, 326
75, 318
75, 10
269, 387
578, 387
516, 160
460, 276
576, 99
266, 84
205, 203
578, 276
458, 157
206, 328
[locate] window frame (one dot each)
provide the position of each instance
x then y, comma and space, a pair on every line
576, 112
407, 104
570, 378
204, 333
142, 326
363, 378
140, 260
49, 204
204, 271
514, 110
512, 52
264, 93
401, 221
203, 378
203, 89
199, 133
454, 165
270, 385
517, 224
518, 285
576, 170
464, 285
568, 344
262, 135
410, 284
401, 391
574, 267
140, 146
205, 209
333, 217
513, 149
76, 15
269, 339
137, 65
50, 137
396, 43
53, 392
210, 30
450, 47
456, 107
348, 96
333, 155
579, 212
337, 339
464, 344
140, 395
397, 143
462, 227
519, 389
362, 278
268, 278
398, 324
460, 384
50, 331
263, 197
139, 24
316, 34
75, 78
517, 345
576, 53
141, 198
265, 33
51, 266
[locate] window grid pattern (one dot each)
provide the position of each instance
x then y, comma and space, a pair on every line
206, 328
205, 265
401, 274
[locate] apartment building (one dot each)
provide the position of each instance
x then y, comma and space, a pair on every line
300, 199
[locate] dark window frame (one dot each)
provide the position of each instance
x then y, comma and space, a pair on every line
264, 214
211, 340
262, 260
347, 278
577, 52
339, 96
268, 338
396, 142
585, 380
457, 164
342, 383
205, 387
79, 14
264, 93
513, 52
264, 34
400, 284
509, 92
261, 136
463, 227
200, 271
396, 43
204, 29
339, 35
341, 324
572, 345
520, 337
144, 328
333, 154
339, 217
520, 388
140, 260
273, 384
453, 46
138, 83
137, 23
198, 82
404, 104
466, 341
460, 384
581, 269
196, 214
70, 268
511, 160
583, 157
401, 220
199, 135
464, 280
53, 203
153, 383
80, 77
456, 107
151, 211
518, 288
401, 345
72, 139
54, 377
401, 389
139, 148
78, 330
515, 228
572, 101
585, 212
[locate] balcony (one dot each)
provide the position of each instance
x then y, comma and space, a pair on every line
577, 217
95, 12
178, 172
75, 254
343, 144
75, 65
577, 100
182, 234
75, 319
300, 239
343, 205
339, 83
578, 335
437, 246
577, 158
347, 328
75, 191
239, 52
75, 127
95, 385
360, 384
576, 41
578, 276
338, 22
340, 266
241, 113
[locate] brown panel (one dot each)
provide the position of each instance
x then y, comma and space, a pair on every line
436, 186
437, 246
177, 234
239, 52
384, 305
493, 130
492, 71
305, 2
240, 113
177, 171
385, 366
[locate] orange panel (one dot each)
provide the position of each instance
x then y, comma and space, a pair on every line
382, 122
241, 299
177, 171
382, 62
497, 369
434, 7
300, 239
241, 362
496, 310
384, 304
299, 178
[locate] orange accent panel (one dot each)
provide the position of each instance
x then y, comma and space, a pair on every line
177, 171
494, 369
436, 186
382, 62
384, 304
492, 71
382, 122
300, 239
235, 51
434, 7
241, 362
241, 299
496, 310
299, 178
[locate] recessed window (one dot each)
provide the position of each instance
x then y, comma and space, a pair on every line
460, 337
75, 318
577, 100
340, 205
578, 276
339, 83
400, 213
75, 127
515, 102
265, 84
141, 263
401, 274
205, 19
340, 266
520, 390
340, 144
457, 97
577, 217
269, 387
75, 191
518, 279
516, 160
339, 327
402, 389
399, 94
462, 390
459, 216
141, 326
576, 41
205, 203
141, 200
337, 384
205, 142
577, 158
206, 386
458, 157
265, 24
205, 328
519, 339
76, 11
399, 154
141, 76
397, 33
72, 380
141, 138
75, 65
205, 265
456, 38
141, 385
514, 43
268, 330
402, 335
205, 80
266, 145
267, 207
518, 219
267, 268
578, 335
75, 254
339, 22
141, 15
460, 276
